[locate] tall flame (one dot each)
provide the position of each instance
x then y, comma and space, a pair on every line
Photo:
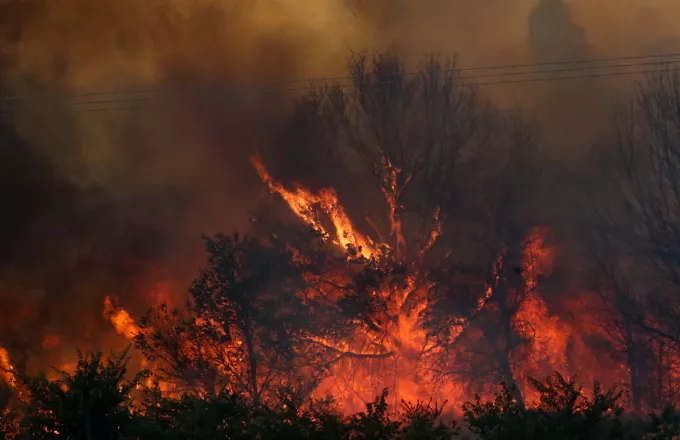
302, 202
391, 354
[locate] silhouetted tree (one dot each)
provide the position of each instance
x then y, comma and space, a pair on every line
621, 314
257, 320
410, 131
425, 421
375, 423
92, 403
562, 412
637, 210
451, 170
95, 402
664, 426
191, 417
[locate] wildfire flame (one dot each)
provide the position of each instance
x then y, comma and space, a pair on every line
392, 355
120, 318
302, 202
6, 367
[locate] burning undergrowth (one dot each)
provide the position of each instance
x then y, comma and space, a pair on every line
437, 291
415, 256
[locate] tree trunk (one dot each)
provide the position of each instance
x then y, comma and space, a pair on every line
504, 342
252, 362
506, 370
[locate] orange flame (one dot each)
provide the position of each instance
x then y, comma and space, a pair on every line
120, 318
389, 354
6, 368
302, 202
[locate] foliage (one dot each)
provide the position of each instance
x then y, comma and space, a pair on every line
190, 417
250, 325
232, 417
424, 421
664, 426
96, 402
562, 412
92, 403
375, 423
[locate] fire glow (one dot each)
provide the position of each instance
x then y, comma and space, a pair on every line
399, 355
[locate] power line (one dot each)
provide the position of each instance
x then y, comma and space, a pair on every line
596, 75
473, 84
463, 77
517, 66
340, 78
571, 69
489, 83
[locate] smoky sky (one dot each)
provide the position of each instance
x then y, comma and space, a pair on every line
113, 202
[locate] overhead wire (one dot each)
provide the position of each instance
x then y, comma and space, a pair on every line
338, 78
547, 75
463, 77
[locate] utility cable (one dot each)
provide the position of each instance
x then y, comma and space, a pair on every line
11, 109
312, 80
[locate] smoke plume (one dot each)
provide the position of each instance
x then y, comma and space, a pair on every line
104, 201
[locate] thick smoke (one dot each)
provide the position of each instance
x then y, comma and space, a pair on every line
112, 202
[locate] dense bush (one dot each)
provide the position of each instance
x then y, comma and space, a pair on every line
98, 402
561, 413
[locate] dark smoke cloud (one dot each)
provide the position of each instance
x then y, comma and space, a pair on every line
554, 36
110, 202
498, 32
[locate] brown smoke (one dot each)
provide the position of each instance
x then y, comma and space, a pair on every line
111, 202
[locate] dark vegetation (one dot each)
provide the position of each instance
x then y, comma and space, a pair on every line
97, 402
266, 319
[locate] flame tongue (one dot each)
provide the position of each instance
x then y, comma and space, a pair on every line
121, 319
389, 351
6, 368
302, 202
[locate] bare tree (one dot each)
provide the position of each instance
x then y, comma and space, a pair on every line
644, 217
637, 215
621, 316
458, 181
410, 132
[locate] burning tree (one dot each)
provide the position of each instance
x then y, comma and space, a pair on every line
484, 340
457, 179
410, 132
442, 291
255, 323
93, 402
